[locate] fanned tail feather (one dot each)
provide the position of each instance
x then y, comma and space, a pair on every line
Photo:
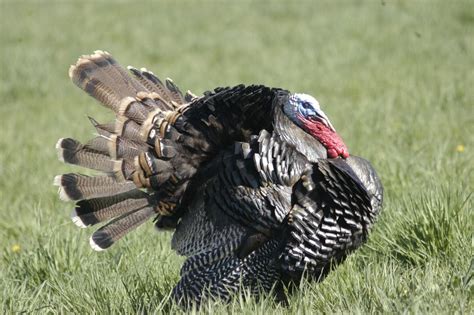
92, 211
176, 95
127, 128
102, 78
73, 152
107, 235
120, 147
126, 150
112, 155
103, 129
77, 186
155, 85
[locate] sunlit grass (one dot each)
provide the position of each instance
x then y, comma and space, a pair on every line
395, 79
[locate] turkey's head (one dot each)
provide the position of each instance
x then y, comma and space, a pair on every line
305, 112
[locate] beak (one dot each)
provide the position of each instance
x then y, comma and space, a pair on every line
324, 119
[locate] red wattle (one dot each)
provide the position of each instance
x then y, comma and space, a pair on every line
328, 138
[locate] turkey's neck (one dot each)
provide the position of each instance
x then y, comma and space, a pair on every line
297, 137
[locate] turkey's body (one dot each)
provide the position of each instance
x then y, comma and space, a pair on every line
241, 175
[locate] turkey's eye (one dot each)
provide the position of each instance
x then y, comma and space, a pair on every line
306, 105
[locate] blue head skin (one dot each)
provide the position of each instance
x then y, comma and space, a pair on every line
302, 107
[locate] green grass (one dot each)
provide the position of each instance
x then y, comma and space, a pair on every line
395, 78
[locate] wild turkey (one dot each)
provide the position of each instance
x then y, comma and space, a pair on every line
255, 182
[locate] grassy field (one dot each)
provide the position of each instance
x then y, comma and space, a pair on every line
395, 78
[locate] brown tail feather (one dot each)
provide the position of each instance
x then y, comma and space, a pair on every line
176, 95
99, 75
123, 170
92, 211
120, 147
98, 144
78, 187
118, 73
103, 129
127, 128
154, 84
107, 235
73, 152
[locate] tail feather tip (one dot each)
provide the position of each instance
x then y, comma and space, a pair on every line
57, 180
60, 150
77, 220
63, 195
59, 143
72, 68
94, 245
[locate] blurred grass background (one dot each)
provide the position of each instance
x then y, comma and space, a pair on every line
396, 79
